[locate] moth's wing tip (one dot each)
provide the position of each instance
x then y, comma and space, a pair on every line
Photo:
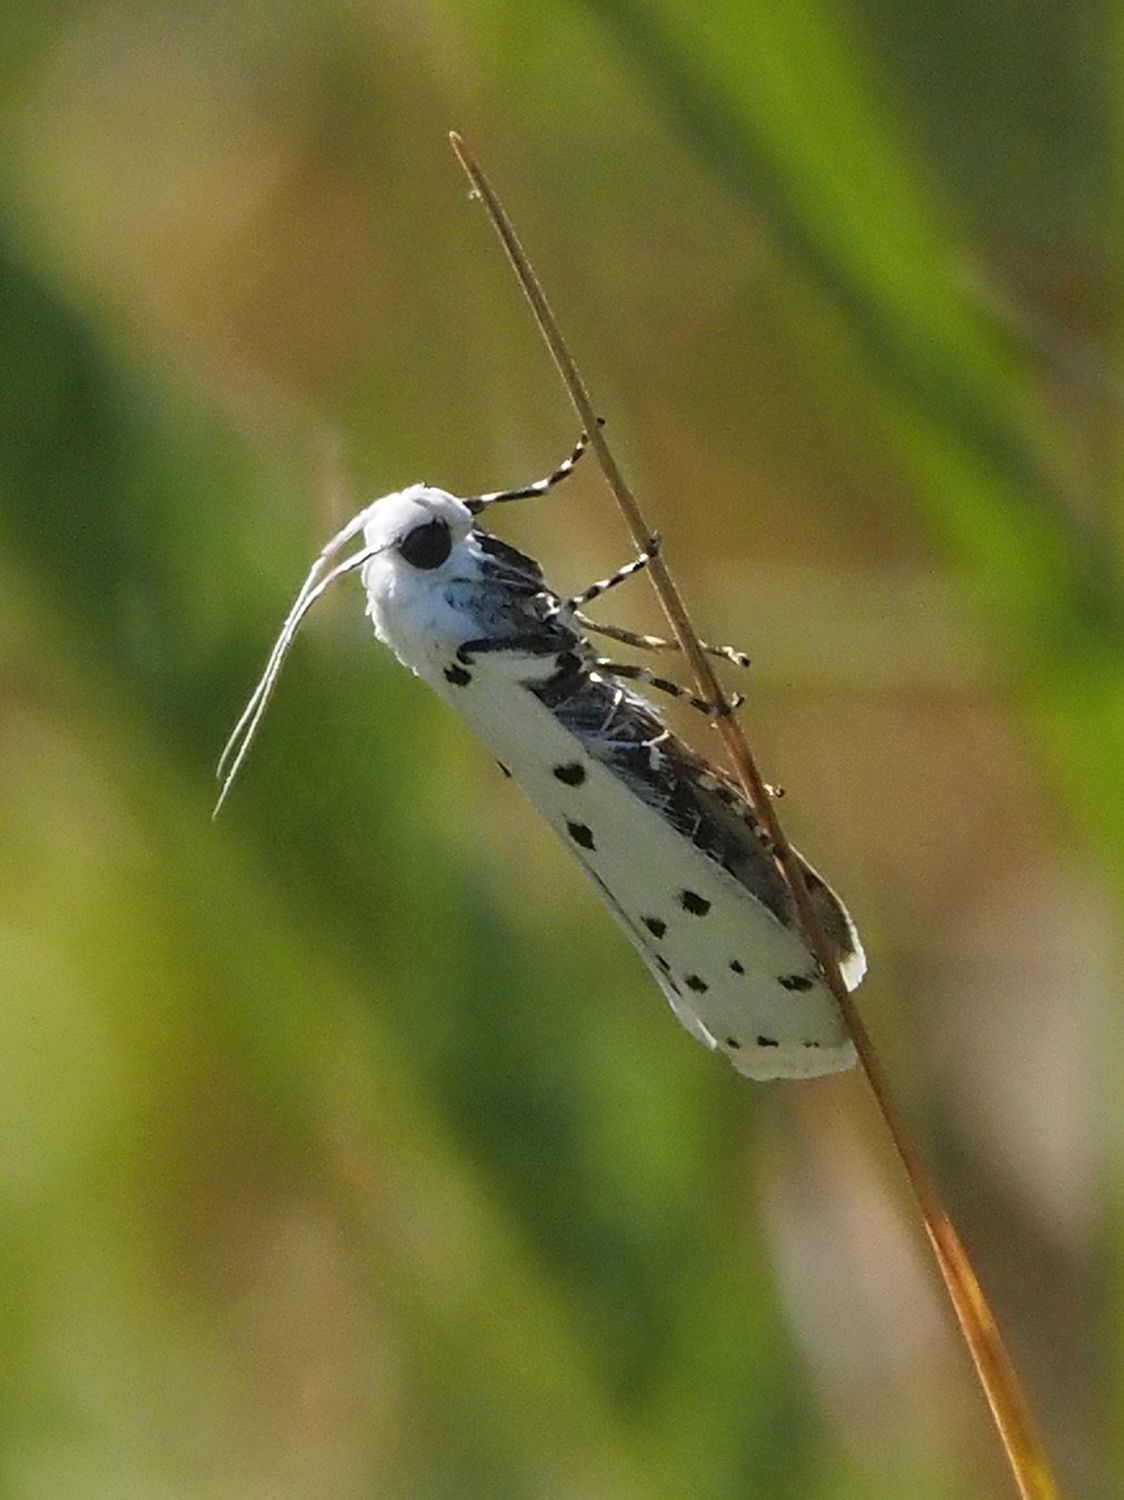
838, 925
852, 965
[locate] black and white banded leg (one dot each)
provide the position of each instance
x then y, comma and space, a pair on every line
632, 637
656, 642
603, 585
540, 486
603, 669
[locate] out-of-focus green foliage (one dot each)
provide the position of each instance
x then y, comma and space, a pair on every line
345, 1150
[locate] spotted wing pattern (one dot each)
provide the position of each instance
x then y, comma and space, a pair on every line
670, 844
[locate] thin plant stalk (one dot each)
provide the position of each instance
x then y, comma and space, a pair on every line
1026, 1456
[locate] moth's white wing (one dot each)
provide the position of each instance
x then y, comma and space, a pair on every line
736, 976
672, 850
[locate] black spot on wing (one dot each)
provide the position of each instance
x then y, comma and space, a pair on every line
654, 926
581, 834
503, 768
573, 773
677, 784
732, 1041
736, 966
795, 981
699, 986
457, 675
621, 732
694, 903
767, 1041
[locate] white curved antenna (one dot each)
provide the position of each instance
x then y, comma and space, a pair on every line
236, 747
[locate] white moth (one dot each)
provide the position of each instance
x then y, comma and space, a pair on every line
669, 842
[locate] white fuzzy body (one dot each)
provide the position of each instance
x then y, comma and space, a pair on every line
671, 848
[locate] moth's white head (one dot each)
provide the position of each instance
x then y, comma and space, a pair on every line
414, 544
417, 551
419, 526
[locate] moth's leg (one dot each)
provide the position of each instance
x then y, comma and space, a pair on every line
603, 585
656, 642
632, 673
631, 637
540, 486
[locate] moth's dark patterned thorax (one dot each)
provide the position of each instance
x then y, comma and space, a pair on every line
506, 564
510, 600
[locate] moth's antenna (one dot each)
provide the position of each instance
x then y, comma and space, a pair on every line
540, 486
326, 552
234, 751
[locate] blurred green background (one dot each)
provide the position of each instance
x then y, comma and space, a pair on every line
345, 1148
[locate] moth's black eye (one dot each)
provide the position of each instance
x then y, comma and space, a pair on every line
427, 546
